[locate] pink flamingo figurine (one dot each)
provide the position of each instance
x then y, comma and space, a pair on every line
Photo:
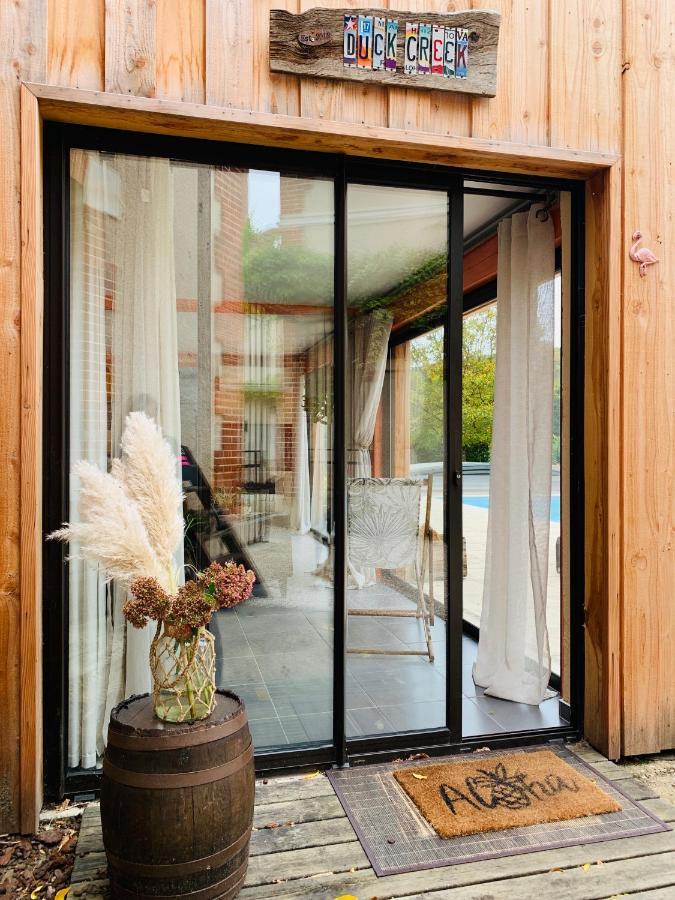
641, 255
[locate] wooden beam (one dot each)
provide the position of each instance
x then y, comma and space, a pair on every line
602, 461
131, 113
31, 462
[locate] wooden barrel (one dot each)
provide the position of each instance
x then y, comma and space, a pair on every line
177, 802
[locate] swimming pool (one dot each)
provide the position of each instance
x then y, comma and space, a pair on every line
484, 503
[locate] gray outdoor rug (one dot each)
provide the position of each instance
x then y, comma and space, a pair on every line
397, 838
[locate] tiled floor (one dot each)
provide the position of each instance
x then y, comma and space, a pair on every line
277, 655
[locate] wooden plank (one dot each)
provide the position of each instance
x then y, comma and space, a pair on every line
311, 810
486, 876
130, 47
520, 110
281, 790
648, 381
602, 463
595, 883
325, 58
302, 836
23, 55
430, 112
76, 43
180, 46
229, 53
192, 120
585, 105
336, 101
275, 867
272, 92
31, 462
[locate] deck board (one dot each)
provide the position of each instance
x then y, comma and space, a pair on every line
313, 852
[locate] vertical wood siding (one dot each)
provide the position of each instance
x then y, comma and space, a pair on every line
560, 83
649, 380
23, 55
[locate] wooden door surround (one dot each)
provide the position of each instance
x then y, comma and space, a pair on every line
601, 174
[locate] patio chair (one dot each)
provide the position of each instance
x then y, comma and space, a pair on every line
383, 531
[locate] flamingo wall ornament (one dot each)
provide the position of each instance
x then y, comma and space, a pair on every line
641, 255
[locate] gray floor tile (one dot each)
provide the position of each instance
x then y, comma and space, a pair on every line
234, 671
361, 722
416, 716
520, 716
475, 721
268, 733
258, 702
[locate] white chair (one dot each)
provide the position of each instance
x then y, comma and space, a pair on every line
383, 531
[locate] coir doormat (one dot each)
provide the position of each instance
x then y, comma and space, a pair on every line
503, 792
398, 838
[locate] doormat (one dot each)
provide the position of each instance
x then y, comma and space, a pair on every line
504, 792
397, 838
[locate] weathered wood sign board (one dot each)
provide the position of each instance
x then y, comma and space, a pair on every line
429, 51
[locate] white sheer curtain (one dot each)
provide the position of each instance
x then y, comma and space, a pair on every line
368, 342
92, 198
318, 505
144, 360
300, 506
513, 659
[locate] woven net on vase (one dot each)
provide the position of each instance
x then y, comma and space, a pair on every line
183, 674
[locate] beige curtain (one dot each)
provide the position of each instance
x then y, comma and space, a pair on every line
514, 660
144, 360
92, 202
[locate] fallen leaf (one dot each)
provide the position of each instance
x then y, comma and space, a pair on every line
419, 777
346, 897
586, 867
6, 855
36, 892
310, 776
272, 825
51, 837
62, 893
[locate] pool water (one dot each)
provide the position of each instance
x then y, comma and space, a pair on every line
484, 503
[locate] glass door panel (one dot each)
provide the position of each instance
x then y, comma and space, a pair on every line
397, 252
203, 296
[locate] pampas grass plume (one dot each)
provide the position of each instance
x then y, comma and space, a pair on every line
147, 469
111, 531
130, 518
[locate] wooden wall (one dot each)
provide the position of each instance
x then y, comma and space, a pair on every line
581, 74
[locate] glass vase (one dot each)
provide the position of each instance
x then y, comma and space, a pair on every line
183, 673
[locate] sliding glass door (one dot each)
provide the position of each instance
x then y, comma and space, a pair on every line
396, 643
317, 339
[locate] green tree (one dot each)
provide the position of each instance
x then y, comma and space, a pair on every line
478, 383
478, 365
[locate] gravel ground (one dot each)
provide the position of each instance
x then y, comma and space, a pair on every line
657, 771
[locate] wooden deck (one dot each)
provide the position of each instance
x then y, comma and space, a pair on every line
303, 846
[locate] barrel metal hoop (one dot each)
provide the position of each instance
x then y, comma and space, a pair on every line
168, 870
219, 889
167, 740
167, 780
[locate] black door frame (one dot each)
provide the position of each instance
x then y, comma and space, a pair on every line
58, 140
